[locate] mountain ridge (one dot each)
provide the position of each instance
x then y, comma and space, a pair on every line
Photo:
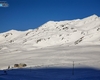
70, 32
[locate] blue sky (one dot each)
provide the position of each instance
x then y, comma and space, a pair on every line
30, 14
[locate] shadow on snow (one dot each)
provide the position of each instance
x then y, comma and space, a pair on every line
52, 73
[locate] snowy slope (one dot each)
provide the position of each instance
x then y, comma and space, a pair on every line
52, 33
53, 63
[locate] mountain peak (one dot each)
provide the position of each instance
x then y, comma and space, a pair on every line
92, 17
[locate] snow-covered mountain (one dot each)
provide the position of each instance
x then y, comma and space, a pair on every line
84, 31
77, 48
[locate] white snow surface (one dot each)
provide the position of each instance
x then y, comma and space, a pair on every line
49, 51
52, 63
